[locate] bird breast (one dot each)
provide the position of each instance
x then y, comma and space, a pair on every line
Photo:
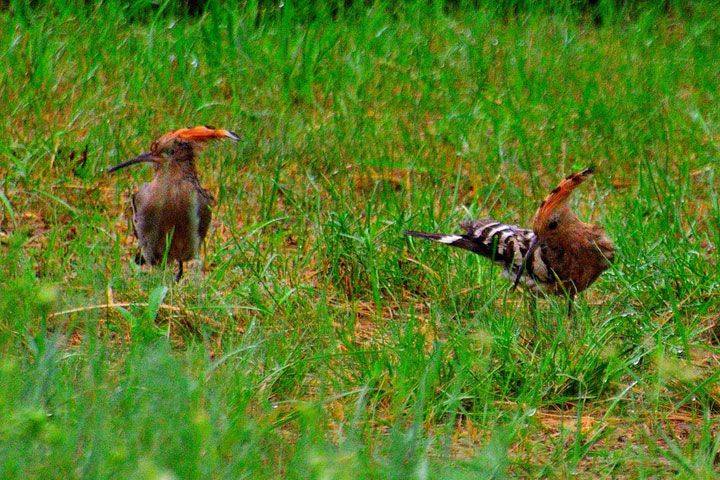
172, 210
578, 259
182, 212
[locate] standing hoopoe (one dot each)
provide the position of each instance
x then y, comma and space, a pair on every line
560, 255
173, 205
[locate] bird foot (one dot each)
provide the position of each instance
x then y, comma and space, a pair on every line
179, 274
139, 259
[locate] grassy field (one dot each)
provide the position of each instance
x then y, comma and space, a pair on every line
311, 339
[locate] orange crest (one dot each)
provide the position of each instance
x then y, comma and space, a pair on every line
559, 196
196, 135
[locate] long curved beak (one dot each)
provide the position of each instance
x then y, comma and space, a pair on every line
145, 157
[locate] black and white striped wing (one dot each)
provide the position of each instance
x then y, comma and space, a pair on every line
506, 245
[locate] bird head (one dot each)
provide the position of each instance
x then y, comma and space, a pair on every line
178, 146
554, 217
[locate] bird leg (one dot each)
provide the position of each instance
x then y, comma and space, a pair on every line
570, 310
528, 255
180, 271
532, 307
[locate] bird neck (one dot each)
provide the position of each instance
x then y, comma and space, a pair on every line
569, 231
179, 180
176, 171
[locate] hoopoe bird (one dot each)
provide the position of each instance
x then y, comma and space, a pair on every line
173, 206
561, 255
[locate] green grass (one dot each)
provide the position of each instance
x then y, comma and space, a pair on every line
313, 340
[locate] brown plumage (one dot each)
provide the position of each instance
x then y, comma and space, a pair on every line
173, 205
560, 255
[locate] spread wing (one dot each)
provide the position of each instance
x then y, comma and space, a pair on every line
506, 245
205, 200
145, 223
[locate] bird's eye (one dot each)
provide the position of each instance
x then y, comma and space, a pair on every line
553, 225
171, 152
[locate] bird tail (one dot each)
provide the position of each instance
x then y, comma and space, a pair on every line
504, 244
460, 241
496, 248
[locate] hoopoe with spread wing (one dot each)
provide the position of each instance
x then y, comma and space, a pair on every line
173, 206
560, 255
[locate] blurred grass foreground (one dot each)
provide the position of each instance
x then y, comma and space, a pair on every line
311, 339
